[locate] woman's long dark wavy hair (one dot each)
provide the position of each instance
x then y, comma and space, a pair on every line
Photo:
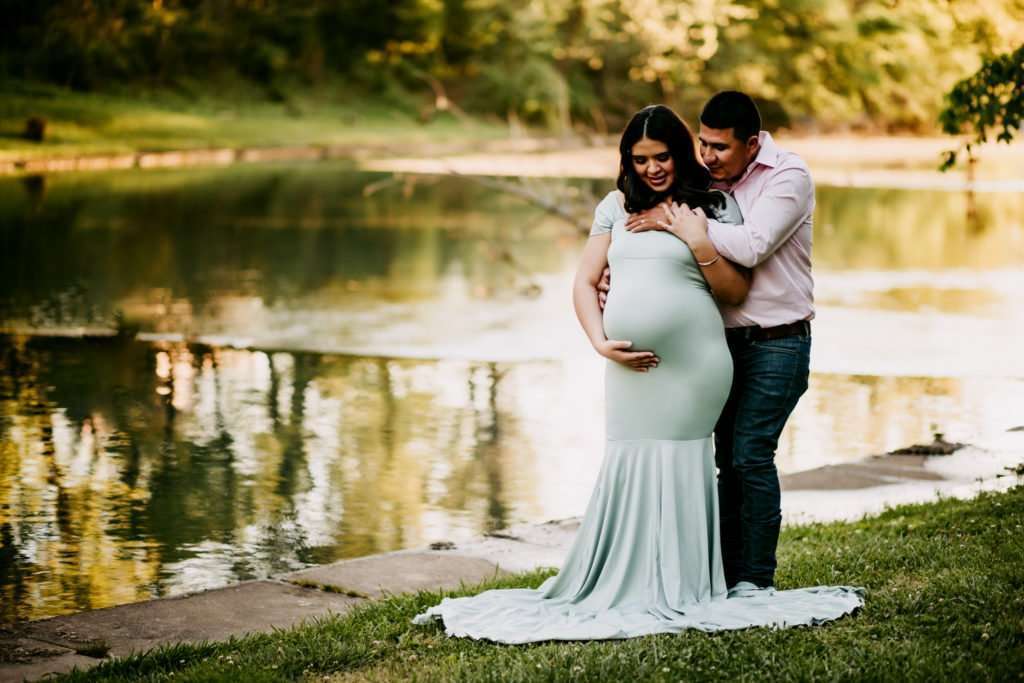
692, 180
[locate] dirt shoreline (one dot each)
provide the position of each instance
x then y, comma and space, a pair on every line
843, 161
225, 156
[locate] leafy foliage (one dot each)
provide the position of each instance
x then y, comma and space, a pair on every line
558, 63
992, 99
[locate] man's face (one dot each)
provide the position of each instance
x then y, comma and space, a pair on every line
725, 155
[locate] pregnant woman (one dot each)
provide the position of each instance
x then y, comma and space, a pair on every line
647, 557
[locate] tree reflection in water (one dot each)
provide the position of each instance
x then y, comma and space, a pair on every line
130, 469
133, 470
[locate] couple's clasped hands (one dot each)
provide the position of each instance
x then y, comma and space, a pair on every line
690, 226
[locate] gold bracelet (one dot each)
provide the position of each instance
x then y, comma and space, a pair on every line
712, 262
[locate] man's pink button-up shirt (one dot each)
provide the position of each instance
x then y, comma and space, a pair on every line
776, 196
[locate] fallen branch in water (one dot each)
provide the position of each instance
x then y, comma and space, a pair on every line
575, 210
573, 207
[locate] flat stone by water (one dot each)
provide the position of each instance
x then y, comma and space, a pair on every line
400, 572
24, 659
50, 645
877, 471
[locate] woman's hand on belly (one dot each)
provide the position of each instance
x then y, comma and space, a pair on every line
618, 351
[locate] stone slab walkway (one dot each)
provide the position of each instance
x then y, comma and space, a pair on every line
877, 471
25, 659
40, 648
54, 645
377, 576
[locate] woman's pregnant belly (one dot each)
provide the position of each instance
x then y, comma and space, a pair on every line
656, 307
653, 304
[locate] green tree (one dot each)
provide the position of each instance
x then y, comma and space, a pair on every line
990, 100
865, 64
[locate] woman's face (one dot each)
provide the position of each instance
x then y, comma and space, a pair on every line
654, 164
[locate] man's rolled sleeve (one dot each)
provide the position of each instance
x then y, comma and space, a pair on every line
776, 215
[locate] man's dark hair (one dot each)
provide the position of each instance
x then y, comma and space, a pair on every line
732, 109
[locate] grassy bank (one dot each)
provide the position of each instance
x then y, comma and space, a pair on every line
93, 124
945, 601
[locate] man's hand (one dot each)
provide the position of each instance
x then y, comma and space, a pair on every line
649, 219
603, 287
641, 361
689, 226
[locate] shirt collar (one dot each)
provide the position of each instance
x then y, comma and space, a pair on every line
768, 155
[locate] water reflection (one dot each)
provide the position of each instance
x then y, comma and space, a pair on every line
888, 229
231, 251
292, 250
132, 470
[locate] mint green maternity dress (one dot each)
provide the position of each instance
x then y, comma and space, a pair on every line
647, 557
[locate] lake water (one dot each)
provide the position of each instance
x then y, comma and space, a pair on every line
329, 364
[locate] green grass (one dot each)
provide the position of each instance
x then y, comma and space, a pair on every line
92, 123
945, 602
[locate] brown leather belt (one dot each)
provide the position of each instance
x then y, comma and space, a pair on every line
757, 333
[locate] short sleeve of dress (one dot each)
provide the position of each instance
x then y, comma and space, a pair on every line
730, 213
606, 213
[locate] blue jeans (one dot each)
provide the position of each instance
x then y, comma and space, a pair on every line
768, 379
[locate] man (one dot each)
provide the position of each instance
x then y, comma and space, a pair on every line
768, 334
